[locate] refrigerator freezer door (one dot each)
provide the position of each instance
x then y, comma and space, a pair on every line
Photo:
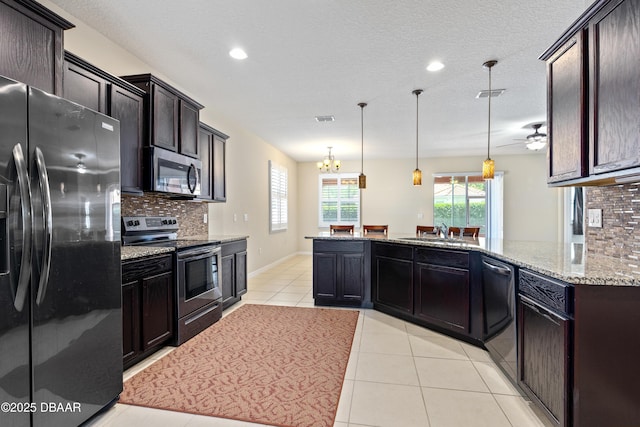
77, 329
14, 214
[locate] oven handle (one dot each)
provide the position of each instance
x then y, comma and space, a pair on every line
196, 254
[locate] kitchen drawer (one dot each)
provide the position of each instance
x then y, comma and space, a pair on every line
337, 246
444, 257
404, 252
145, 267
553, 293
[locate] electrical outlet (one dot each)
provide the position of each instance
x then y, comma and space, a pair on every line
246, 217
235, 217
594, 218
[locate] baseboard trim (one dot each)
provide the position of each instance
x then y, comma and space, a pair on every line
275, 263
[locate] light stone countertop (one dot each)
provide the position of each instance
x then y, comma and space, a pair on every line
568, 262
132, 252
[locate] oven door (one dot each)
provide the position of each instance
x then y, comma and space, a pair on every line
197, 271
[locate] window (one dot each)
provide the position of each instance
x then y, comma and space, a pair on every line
339, 199
460, 201
466, 200
278, 187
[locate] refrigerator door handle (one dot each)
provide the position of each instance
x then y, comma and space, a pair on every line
25, 208
47, 220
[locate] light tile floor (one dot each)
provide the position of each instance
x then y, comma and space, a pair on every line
399, 374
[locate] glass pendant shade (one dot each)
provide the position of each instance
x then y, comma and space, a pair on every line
362, 181
417, 177
488, 169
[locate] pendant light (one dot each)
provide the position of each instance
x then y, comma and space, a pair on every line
362, 178
417, 174
488, 166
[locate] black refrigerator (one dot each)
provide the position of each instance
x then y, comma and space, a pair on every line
60, 280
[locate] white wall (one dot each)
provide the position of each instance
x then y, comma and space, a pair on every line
247, 154
530, 207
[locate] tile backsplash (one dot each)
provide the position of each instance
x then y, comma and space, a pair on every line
190, 214
619, 236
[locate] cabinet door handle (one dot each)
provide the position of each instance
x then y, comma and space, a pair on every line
549, 315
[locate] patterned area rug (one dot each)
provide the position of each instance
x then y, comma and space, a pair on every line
282, 366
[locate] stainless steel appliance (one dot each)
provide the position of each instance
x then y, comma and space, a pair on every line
60, 290
197, 265
172, 172
499, 303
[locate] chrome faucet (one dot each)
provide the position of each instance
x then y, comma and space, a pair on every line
445, 230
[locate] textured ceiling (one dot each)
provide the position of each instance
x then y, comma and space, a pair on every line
323, 57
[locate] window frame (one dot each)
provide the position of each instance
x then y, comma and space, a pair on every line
339, 176
278, 198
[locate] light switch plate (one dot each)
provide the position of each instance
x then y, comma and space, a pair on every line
594, 217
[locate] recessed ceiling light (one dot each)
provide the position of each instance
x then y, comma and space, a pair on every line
238, 53
435, 66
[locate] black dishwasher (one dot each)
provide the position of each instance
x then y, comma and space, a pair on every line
499, 314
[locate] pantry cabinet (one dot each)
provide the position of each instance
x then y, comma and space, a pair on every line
592, 85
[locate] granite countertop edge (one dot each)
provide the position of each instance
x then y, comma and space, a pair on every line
547, 258
133, 252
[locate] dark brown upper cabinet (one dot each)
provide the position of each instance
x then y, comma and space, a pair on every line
212, 148
94, 88
593, 102
171, 117
614, 108
566, 98
31, 46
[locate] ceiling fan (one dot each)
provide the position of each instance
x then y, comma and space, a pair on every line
534, 142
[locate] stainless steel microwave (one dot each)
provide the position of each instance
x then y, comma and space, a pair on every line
173, 173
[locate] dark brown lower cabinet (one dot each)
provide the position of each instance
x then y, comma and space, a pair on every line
339, 273
442, 296
544, 342
606, 377
393, 277
147, 306
233, 270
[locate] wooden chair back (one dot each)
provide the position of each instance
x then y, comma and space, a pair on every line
341, 229
466, 231
424, 229
375, 229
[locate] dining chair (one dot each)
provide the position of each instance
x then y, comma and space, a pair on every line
464, 231
424, 229
340, 229
375, 229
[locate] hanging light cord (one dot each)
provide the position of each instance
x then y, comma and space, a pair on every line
362, 105
489, 120
417, 92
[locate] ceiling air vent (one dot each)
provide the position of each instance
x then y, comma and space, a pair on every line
494, 93
325, 118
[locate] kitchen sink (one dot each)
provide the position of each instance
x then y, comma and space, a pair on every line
433, 238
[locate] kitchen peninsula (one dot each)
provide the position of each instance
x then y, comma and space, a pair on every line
576, 357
